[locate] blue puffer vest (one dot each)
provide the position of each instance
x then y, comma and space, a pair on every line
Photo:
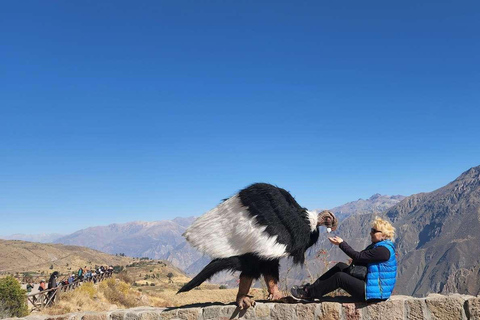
381, 276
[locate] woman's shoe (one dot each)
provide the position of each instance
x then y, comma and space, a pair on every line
299, 293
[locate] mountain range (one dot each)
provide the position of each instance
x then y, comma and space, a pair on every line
40, 238
164, 240
437, 239
375, 204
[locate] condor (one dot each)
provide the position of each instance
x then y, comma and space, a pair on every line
250, 232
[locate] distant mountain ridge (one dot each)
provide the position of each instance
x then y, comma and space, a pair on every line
41, 238
156, 240
437, 238
164, 240
375, 204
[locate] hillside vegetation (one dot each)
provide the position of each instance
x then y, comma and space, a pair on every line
142, 283
22, 256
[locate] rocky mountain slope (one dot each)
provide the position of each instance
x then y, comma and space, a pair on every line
375, 204
156, 240
437, 238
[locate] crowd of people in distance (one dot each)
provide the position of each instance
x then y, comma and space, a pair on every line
83, 275
92, 274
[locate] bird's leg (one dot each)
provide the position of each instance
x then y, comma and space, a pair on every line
272, 286
243, 299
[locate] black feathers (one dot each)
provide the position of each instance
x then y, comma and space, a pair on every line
276, 209
249, 264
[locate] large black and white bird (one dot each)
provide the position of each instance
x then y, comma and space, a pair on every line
250, 232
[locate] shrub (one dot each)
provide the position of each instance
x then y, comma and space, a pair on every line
88, 288
119, 293
125, 277
222, 287
13, 302
117, 269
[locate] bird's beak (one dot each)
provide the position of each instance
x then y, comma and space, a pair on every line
327, 218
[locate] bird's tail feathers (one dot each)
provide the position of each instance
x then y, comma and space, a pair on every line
215, 266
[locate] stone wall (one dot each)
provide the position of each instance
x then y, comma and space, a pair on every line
433, 307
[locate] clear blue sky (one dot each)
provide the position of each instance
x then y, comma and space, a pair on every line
116, 111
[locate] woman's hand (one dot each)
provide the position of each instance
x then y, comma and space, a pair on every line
335, 240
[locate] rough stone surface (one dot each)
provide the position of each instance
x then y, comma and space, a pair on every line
329, 311
433, 307
168, 314
94, 316
393, 309
149, 315
132, 316
284, 312
117, 315
306, 311
262, 311
190, 314
446, 307
473, 308
351, 312
416, 309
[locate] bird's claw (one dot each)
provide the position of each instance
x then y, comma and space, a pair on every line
245, 301
275, 296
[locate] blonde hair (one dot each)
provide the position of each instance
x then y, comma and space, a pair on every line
385, 227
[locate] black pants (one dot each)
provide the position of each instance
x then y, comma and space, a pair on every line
336, 278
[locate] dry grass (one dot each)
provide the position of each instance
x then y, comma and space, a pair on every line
169, 298
145, 284
114, 293
108, 295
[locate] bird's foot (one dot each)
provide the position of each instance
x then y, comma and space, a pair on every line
244, 301
275, 296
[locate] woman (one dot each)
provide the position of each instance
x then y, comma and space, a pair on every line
379, 260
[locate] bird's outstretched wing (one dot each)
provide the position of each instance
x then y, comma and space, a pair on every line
261, 219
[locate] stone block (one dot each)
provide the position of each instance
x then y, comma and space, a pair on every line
445, 308
222, 312
473, 308
306, 311
262, 311
149, 315
75, 316
391, 310
94, 316
190, 314
169, 314
416, 309
248, 313
282, 311
117, 315
351, 312
132, 315
212, 312
229, 312
328, 311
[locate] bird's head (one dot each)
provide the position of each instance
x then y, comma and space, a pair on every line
327, 218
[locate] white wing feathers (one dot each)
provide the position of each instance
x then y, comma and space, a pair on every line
229, 230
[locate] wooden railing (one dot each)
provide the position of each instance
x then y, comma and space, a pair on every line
46, 298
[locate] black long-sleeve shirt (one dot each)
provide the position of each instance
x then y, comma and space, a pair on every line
366, 256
